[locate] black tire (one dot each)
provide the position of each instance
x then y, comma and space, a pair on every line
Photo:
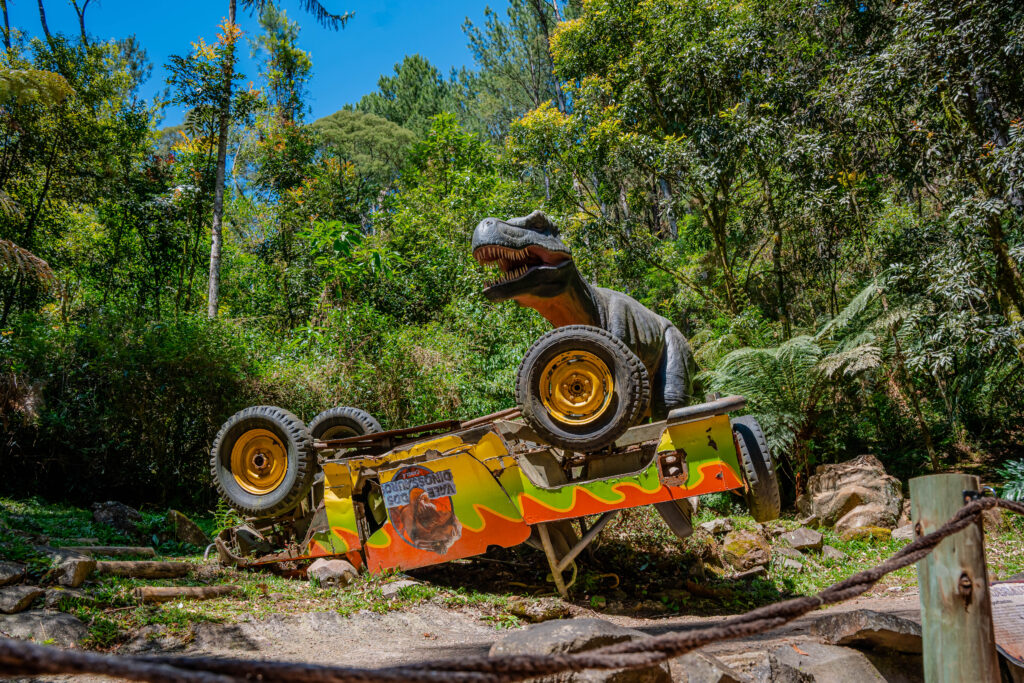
342, 422
762, 494
678, 515
300, 466
628, 401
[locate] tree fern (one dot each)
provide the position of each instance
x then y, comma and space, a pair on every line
1013, 475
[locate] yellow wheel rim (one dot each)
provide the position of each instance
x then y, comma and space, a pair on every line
259, 461
576, 387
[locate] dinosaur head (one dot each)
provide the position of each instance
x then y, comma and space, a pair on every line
533, 261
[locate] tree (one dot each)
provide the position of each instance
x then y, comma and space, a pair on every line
325, 18
411, 97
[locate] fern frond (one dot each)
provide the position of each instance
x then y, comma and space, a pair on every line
13, 257
857, 305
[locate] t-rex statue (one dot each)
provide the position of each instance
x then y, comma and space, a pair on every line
538, 272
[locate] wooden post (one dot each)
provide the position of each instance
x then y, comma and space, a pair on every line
956, 607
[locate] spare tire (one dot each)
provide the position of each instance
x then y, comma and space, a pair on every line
762, 495
341, 423
580, 388
263, 461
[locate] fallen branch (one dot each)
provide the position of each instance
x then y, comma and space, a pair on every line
144, 569
165, 593
111, 550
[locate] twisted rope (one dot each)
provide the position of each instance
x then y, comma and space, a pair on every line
25, 659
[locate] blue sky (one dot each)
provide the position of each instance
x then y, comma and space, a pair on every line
346, 64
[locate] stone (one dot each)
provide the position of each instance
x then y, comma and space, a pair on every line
11, 572
904, 513
56, 597
52, 628
536, 611
788, 552
763, 667
185, 530
331, 572
578, 635
870, 628
722, 525
834, 554
698, 667
391, 590
811, 521
117, 515
803, 539
992, 519
745, 550
792, 565
758, 572
904, 533
858, 492
867, 533
70, 568
15, 599
829, 663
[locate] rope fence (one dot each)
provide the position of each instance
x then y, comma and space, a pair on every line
20, 658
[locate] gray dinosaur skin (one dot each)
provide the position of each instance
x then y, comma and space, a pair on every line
554, 287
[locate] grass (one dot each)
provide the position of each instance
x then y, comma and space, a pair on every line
637, 567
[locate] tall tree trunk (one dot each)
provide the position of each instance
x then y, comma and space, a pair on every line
213, 295
42, 20
81, 18
542, 19
7, 25
670, 212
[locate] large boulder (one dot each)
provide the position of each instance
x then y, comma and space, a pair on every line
829, 663
117, 515
745, 550
864, 627
11, 572
853, 494
565, 636
17, 598
52, 628
185, 530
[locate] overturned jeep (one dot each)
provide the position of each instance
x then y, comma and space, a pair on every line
602, 424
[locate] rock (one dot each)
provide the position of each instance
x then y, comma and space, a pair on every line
185, 530
788, 552
835, 554
810, 521
992, 519
117, 515
698, 667
56, 597
14, 599
331, 572
803, 539
904, 513
69, 567
52, 628
722, 525
11, 572
578, 635
536, 611
829, 663
745, 550
870, 628
758, 572
858, 492
904, 533
867, 533
763, 667
391, 590
792, 565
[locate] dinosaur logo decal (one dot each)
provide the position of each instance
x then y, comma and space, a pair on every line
537, 271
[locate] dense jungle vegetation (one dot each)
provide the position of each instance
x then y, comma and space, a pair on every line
826, 197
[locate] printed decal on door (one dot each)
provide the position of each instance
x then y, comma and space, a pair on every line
419, 503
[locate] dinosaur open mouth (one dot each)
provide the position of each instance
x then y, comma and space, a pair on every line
515, 264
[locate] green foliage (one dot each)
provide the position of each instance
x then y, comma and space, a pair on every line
1013, 480
411, 97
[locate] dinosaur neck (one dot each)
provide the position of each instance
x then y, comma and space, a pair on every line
574, 305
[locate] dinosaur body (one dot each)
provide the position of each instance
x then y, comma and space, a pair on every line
538, 272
